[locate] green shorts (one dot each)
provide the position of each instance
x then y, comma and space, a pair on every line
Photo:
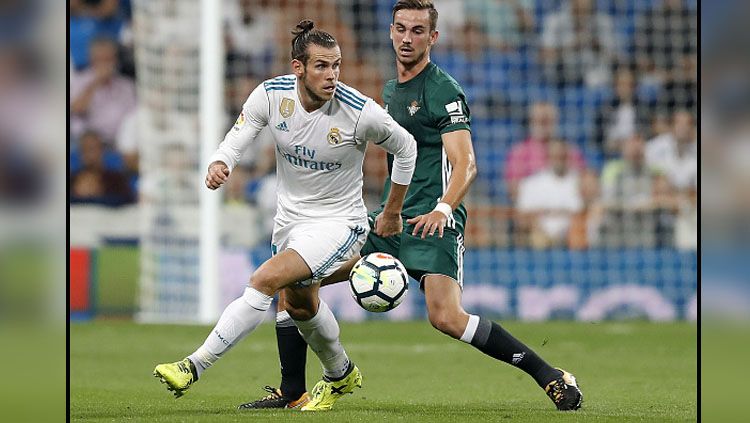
432, 255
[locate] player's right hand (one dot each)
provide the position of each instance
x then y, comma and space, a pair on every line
388, 224
218, 174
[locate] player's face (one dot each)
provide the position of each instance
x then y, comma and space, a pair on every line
321, 74
411, 36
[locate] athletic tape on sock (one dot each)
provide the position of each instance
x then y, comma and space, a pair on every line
471, 328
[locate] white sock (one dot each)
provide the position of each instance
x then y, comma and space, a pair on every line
240, 317
471, 328
322, 335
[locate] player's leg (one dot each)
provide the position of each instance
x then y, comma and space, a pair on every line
319, 328
292, 348
326, 246
239, 318
291, 345
443, 298
292, 393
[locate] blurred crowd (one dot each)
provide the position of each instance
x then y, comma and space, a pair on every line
583, 111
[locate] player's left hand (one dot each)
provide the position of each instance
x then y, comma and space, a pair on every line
429, 223
387, 224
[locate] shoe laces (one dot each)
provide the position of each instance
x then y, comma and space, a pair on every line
274, 393
555, 390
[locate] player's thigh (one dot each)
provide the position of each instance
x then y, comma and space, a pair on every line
433, 255
326, 246
442, 294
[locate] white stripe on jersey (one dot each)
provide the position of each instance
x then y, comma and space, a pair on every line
447, 171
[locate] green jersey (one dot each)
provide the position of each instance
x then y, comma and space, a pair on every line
428, 105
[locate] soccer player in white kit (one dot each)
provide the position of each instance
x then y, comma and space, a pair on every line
321, 128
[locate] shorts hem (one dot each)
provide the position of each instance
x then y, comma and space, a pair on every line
421, 280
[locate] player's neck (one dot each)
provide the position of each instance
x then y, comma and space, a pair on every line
308, 103
406, 73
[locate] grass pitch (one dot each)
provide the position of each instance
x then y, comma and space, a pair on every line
628, 372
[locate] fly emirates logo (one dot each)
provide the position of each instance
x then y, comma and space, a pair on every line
304, 157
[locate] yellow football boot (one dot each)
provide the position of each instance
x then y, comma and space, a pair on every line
178, 376
327, 392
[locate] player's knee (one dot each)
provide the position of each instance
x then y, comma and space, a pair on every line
264, 281
445, 321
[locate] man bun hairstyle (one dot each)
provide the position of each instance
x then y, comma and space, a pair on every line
304, 35
417, 5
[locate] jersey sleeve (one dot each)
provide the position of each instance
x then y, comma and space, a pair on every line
377, 126
252, 119
448, 108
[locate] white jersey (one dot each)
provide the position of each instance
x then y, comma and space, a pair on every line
319, 154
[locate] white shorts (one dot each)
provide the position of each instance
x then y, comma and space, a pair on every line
324, 246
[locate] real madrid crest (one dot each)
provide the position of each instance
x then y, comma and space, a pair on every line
413, 108
286, 108
334, 137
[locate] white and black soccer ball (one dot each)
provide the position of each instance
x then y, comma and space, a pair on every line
378, 282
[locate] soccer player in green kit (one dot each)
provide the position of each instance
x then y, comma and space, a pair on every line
431, 105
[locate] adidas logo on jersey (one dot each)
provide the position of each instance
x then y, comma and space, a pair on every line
282, 127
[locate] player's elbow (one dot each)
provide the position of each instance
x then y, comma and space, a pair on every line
411, 154
408, 154
471, 171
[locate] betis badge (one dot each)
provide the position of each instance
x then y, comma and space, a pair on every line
334, 137
287, 107
413, 108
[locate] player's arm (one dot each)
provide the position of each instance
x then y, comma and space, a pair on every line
460, 152
450, 114
379, 127
253, 118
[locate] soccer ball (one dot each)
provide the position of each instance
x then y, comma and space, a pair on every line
378, 282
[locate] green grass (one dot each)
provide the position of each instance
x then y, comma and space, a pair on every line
628, 372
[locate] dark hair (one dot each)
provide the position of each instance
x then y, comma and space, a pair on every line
304, 35
417, 5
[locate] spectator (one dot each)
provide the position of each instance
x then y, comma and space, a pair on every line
101, 97
628, 188
152, 119
247, 20
666, 49
548, 200
89, 20
93, 182
578, 45
584, 228
676, 153
530, 156
508, 24
627, 182
660, 125
622, 117
474, 66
